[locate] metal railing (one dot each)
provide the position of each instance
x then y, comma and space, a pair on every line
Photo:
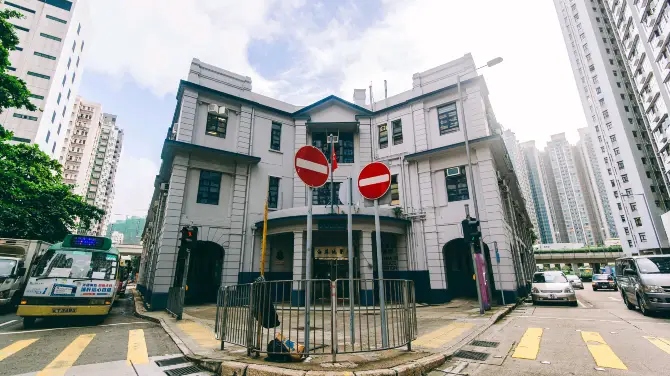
261, 316
175, 303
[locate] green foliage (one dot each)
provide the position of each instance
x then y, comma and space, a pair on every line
34, 202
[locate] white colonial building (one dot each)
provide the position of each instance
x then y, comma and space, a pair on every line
229, 149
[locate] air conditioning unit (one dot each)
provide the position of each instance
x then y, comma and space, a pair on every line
213, 108
164, 186
453, 171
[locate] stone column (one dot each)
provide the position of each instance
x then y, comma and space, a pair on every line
298, 288
366, 268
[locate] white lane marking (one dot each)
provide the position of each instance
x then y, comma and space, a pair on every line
613, 298
309, 165
76, 327
8, 322
374, 180
581, 304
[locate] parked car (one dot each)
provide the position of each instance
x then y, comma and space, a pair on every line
552, 287
603, 281
645, 282
575, 281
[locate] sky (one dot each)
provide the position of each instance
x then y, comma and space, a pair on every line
300, 51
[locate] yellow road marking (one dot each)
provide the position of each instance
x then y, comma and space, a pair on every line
67, 357
529, 346
601, 352
443, 335
15, 347
137, 347
205, 337
661, 343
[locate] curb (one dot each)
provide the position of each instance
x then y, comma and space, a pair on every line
416, 367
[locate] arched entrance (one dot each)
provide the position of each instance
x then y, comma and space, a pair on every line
204, 273
459, 269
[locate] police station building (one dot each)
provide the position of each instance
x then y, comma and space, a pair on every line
228, 149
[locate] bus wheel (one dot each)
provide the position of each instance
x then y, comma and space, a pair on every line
29, 322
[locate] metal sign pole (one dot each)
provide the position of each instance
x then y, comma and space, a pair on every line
380, 276
308, 268
477, 278
502, 293
350, 246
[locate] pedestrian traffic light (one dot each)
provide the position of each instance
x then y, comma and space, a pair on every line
189, 235
471, 232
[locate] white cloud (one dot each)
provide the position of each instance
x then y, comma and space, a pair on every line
134, 186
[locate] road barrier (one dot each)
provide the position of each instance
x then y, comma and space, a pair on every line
269, 317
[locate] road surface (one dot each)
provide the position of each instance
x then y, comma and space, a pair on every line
601, 336
122, 345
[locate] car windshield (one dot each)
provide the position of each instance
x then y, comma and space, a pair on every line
600, 277
571, 277
549, 278
7, 267
77, 264
655, 265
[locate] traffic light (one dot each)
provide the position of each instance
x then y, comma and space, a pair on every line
189, 235
471, 232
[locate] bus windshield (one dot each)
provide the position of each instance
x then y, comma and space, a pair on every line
7, 267
66, 263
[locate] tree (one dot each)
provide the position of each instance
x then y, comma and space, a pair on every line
34, 201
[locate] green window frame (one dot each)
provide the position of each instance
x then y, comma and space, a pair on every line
383, 136
321, 195
344, 149
19, 7
11, 69
36, 96
17, 27
457, 184
216, 125
62, 4
51, 37
40, 75
447, 118
396, 128
275, 136
27, 117
395, 190
209, 187
44, 55
56, 19
273, 192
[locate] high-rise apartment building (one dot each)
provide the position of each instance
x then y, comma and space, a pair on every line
517, 157
101, 184
592, 180
79, 145
571, 194
539, 192
619, 116
560, 231
49, 58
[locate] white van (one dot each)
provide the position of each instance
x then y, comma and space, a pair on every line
16, 257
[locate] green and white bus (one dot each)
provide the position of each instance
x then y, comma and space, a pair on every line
77, 277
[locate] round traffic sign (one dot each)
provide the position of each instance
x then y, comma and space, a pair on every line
311, 166
374, 180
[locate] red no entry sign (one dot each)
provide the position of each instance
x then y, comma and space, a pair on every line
311, 166
374, 180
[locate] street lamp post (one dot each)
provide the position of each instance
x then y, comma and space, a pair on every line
490, 63
653, 226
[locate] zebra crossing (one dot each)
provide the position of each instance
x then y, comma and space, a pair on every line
67, 361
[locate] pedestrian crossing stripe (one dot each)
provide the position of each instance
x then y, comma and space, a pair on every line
67, 357
601, 352
529, 346
15, 347
661, 343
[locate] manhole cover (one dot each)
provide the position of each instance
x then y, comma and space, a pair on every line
183, 371
172, 361
485, 343
474, 355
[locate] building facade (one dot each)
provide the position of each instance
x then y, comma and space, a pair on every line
229, 149
522, 173
539, 189
80, 143
49, 58
620, 118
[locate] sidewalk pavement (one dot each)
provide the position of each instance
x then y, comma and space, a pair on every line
442, 330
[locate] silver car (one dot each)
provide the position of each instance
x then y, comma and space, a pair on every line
575, 281
552, 287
